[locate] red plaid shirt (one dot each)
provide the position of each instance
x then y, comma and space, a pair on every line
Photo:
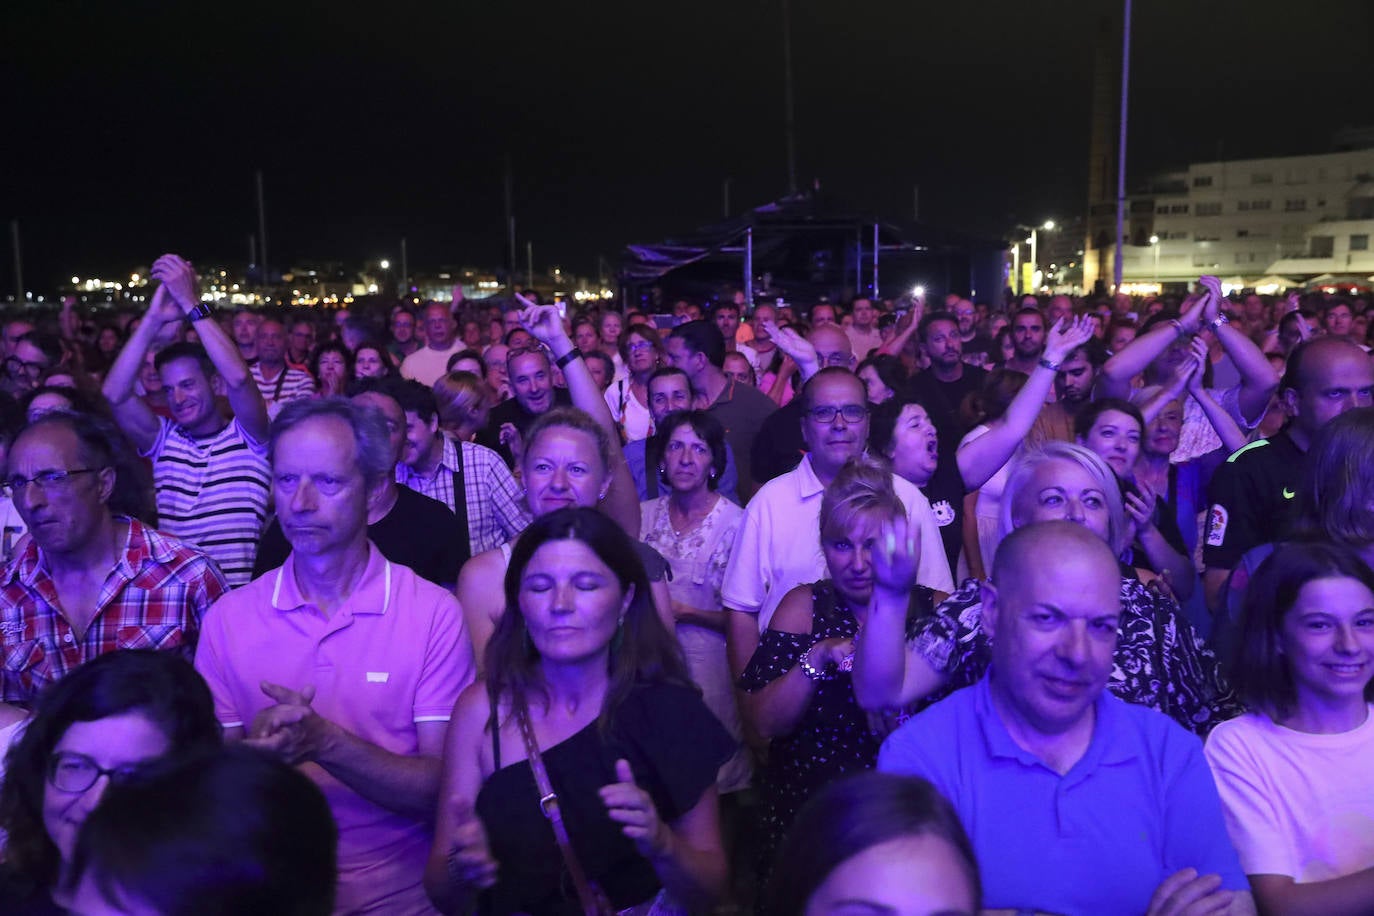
154, 598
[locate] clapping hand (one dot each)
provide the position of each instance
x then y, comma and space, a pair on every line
631, 807
163, 309
1140, 506
1195, 365
290, 730
179, 278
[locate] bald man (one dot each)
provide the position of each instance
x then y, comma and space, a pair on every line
429, 362
1037, 756
278, 382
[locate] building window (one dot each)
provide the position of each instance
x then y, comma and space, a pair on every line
1295, 205
1259, 205
1176, 235
1242, 233
1202, 181
1243, 206
1359, 243
1161, 211
1322, 246
1261, 177
1210, 208
1178, 208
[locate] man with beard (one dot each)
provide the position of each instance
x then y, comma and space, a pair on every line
944, 385
976, 346
1075, 383
1027, 340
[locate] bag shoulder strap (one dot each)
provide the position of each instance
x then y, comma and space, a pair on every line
593, 902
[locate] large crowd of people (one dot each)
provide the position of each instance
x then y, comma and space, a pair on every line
1047, 605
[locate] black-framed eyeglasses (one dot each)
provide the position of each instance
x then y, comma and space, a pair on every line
852, 413
75, 773
48, 481
16, 365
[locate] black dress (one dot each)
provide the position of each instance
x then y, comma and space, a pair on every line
833, 736
674, 745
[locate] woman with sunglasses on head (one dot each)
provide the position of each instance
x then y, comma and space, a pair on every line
1294, 772
102, 721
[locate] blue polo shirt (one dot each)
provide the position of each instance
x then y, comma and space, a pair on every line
1139, 806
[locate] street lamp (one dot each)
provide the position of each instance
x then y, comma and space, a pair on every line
1048, 226
1154, 243
385, 264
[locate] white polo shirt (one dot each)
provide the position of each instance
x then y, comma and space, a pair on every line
778, 544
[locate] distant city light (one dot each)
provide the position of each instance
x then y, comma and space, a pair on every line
386, 265
75, 280
1049, 225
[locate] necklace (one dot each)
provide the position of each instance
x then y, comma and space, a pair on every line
690, 521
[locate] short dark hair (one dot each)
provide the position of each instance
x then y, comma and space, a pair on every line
608, 364
931, 317
882, 422
706, 427
702, 336
413, 397
468, 353
101, 443
1083, 422
183, 350
857, 813
160, 685
247, 834
49, 344
827, 372
1260, 673
665, 372
332, 346
1336, 495
889, 369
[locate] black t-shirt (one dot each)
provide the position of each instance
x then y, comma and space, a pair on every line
513, 412
418, 532
778, 447
946, 492
1251, 500
942, 399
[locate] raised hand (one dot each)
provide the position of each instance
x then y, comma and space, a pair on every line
179, 277
1140, 506
470, 862
1194, 366
896, 556
163, 309
1066, 336
543, 321
793, 344
631, 807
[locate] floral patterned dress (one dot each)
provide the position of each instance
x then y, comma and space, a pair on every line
1159, 662
697, 559
833, 737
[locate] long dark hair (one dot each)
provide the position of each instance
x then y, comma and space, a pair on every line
160, 685
854, 814
647, 653
1260, 672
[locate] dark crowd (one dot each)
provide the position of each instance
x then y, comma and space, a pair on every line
1044, 605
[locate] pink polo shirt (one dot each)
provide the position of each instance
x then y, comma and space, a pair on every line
395, 654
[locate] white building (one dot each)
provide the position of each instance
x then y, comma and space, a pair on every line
1296, 217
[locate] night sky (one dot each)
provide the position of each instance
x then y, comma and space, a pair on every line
133, 128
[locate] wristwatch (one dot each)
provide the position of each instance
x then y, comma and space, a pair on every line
811, 671
1049, 364
1218, 321
202, 310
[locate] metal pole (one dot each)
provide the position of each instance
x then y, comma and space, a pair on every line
252, 251
875, 260
1035, 259
749, 266
18, 263
262, 228
1121, 149
405, 269
1016, 266
510, 227
787, 97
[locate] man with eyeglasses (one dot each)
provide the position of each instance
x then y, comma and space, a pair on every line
90, 578
416, 530
300, 343
778, 545
33, 354
698, 349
